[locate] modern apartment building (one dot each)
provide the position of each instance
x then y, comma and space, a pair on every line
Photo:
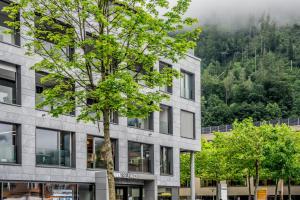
42, 157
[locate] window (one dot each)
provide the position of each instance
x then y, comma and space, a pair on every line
95, 158
55, 148
9, 143
167, 88
164, 193
9, 84
266, 182
166, 120
187, 124
41, 87
208, 183
237, 183
19, 190
114, 116
140, 157
166, 161
187, 87
12, 38
59, 29
146, 124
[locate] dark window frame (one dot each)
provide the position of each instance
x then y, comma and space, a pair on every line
151, 170
193, 85
72, 151
151, 122
170, 119
3, 18
116, 151
18, 143
162, 65
194, 124
171, 173
17, 82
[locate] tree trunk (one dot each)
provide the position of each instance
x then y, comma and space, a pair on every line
249, 186
256, 179
289, 188
109, 156
276, 189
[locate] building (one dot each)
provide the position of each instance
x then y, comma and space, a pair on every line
239, 190
44, 157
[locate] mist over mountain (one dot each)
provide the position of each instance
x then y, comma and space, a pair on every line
236, 13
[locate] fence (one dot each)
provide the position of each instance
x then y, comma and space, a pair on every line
226, 128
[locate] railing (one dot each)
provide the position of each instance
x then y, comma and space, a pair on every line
226, 128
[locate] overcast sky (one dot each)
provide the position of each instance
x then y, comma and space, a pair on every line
237, 11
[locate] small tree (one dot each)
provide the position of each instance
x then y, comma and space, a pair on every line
99, 52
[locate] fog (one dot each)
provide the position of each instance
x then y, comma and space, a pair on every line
238, 12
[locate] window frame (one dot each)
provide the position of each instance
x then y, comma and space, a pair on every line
72, 149
18, 144
194, 124
192, 75
151, 170
169, 89
151, 122
18, 97
171, 153
170, 119
17, 36
115, 156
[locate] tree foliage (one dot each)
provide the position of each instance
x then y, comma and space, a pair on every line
247, 71
100, 54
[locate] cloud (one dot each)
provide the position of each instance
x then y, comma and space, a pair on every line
238, 11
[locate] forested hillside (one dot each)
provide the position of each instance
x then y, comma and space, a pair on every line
251, 72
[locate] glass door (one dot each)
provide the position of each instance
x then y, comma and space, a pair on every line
121, 193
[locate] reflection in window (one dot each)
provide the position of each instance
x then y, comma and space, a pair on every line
96, 158
208, 183
165, 120
164, 193
22, 191
140, 157
8, 143
166, 161
187, 85
10, 38
187, 124
54, 148
145, 124
60, 191
8, 83
166, 88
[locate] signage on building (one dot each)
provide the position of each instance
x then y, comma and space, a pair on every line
62, 193
125, 175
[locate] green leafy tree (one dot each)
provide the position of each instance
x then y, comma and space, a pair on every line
99, 52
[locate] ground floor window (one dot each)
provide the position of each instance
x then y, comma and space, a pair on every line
129, 193
164, 193
49, 191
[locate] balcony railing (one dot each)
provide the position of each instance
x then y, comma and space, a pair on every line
226, 128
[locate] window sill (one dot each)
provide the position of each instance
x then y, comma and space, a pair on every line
98, 169
55, 166
10, 164
138, 172
49, 112
166, 92
188, 138
11, 104
167, 175
140, 128
193, 100
14, 45
170, 134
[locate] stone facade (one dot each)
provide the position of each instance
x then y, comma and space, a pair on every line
29, 118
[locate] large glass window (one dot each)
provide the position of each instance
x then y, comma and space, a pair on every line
166, 88
187, 86
41, 87
9, 143
27, 190
166, 120
8, 83
54, 148
12, 38
208, 183
187, 124
146, 124
166, 161
140, 157
95, 156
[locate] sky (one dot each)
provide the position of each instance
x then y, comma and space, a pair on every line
238, 11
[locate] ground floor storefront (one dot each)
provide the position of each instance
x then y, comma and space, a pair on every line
11, 190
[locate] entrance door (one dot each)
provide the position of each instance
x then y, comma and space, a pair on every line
121, 193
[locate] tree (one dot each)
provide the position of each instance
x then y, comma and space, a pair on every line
99, 52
